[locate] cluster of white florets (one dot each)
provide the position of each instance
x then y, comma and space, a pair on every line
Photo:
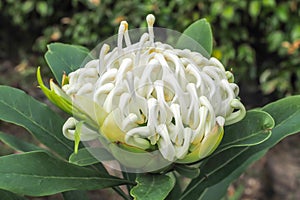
160, 96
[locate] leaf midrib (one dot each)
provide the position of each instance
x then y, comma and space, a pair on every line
152, 184
36, 124
62, 177
212, 172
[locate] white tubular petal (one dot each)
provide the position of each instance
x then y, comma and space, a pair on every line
111, 58
129, 81
136, 137
135, 108
126, 64
73, 77
211, 87
129, 122
151, 68
220, 120
88, 74
193, 71
198, 58
108, 104
173, 133
165, 145
142, 131
217, 63
229, 76
122, 29
185, 53
71, 89
126, 35
104, 89
140, 104
154, 139
107, 77
193, 116
150, 21
138, 142
142, 41
211, 114
123, 105
164, 110
163, 63
214, 72
92, 64
234, 88
237, 115
200, 131
101, 65
85, 135
153, 114
179, 128
228, 89
179, 67
69, 128
85, 89
179, 95
181, 151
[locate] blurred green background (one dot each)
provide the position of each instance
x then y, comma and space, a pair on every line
258, 40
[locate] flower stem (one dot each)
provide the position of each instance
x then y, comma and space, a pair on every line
121, 193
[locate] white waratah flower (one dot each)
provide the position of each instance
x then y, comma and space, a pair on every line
149, 96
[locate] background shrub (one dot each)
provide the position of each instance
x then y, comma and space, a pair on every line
258, 40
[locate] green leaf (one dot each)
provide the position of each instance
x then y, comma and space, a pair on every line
269, 3
258, 125
89, 156
283, 12
228, 13
275, 39
177, 189
230, 163
39, 174
152, 187
197, 37
21, 109
219, 190
254, 8
42, 8
286, 113
76, 194
187, 171
295, 33
65, 58
6, 195
27, 6
17, 144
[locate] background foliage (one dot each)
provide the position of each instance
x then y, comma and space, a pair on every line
258, 39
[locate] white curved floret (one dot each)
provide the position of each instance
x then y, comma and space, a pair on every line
167, 97
69, 129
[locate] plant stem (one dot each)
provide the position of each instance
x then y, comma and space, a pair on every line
121, 193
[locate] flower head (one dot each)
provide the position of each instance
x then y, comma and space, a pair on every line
149, 96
